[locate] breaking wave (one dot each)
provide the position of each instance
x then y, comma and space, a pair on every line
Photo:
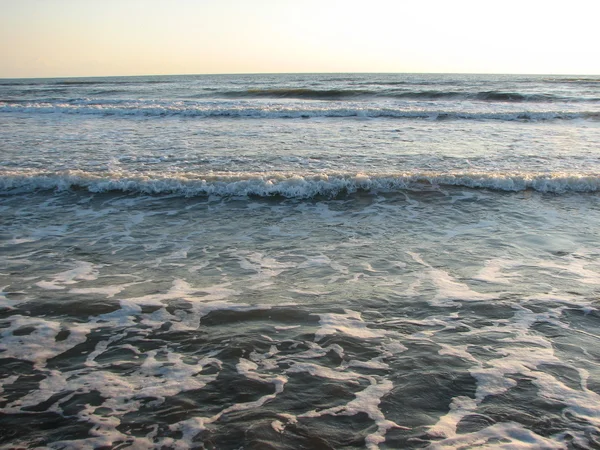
289, 185
128, 108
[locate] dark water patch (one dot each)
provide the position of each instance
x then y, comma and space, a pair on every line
575, 344
304, 392
117, 355
62, 335
14, 366
288, 347
504, 96
173, 409
271, 315
317, 434
593, 384
427, 95
23, 331
420, 399
587, 321
524, 404
46, 404
354, 348
38, 95
71, 306
299, 93
473, 423
192, 342
25, 384
415, 438
172, 306
334, 432
16, 101
492, 310
35, 430
140, 426
228, 389
567, 375
240, 344
107, 92
75, 358
425, 384
586, 342
484, 352
149, 309
73, 404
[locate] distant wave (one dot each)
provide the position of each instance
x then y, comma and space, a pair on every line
586, 81
427, 94
289, 185
337, 95
124, 108
299, 93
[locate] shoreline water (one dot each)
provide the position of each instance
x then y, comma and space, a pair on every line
329, 282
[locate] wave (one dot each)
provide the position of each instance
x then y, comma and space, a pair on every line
122, 108
299, 93
427, 94
289, 185
585, 81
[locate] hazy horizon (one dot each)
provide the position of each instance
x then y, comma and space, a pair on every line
299, 73
66, 38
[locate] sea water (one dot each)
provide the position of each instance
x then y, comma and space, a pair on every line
300, 261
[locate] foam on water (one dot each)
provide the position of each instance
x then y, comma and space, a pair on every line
503, 436
349, 323
285, 111
39, 343
493, 272
449, 289
83, 271
293, 185
412, 268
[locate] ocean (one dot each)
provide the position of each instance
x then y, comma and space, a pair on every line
300, 261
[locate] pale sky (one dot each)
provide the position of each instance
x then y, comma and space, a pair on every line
46, 38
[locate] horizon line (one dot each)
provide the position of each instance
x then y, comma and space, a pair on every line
295, 73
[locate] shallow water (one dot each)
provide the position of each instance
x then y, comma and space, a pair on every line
190, 282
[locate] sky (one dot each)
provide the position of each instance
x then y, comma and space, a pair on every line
60, 38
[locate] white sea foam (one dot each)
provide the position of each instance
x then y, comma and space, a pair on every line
147, 344
265, 266
292, 185
285, 110
494, 271
446, 425
449, 289
82, 271
40, 344
350, 324
577, 265
108, 291
181, 289
501, 436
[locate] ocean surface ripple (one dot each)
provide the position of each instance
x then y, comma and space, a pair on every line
300, 261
